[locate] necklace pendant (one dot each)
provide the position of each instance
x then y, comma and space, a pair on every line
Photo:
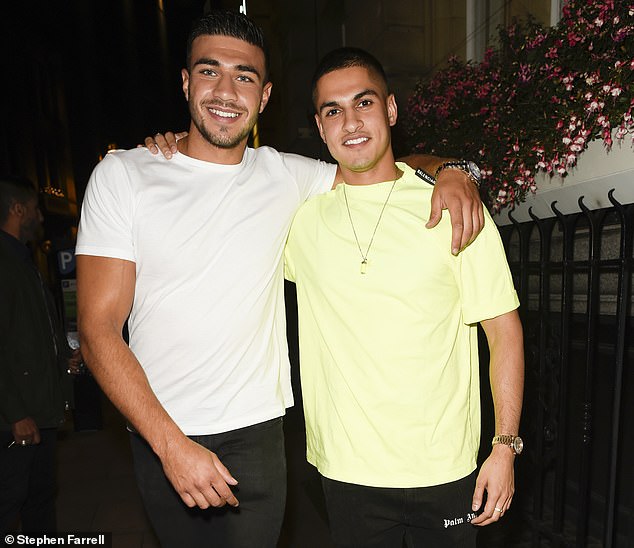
364, 265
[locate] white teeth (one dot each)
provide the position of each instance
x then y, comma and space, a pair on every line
223, 114
356, 141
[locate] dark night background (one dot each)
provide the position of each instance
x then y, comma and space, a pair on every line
81, 75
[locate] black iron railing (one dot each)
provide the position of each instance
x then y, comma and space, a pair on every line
574, 277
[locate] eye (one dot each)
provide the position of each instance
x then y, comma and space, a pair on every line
332, 112
365, 103
244, 78
208, 72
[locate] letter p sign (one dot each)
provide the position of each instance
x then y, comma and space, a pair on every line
66, 261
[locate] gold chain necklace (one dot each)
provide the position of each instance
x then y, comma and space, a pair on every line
364, 257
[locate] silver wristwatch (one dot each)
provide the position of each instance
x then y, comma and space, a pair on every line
469, 167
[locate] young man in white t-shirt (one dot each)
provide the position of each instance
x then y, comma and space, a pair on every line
191, 250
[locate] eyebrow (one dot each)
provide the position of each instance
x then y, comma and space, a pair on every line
215, 63
358, 96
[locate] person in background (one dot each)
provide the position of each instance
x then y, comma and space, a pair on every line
388, 336
35, 360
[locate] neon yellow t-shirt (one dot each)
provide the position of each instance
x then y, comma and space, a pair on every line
389, 358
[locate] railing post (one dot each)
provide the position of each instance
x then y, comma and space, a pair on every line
623, 293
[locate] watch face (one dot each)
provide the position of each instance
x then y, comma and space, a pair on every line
474, 170
518, 445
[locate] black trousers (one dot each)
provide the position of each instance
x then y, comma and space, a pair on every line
27, 484
422, 517
255, 457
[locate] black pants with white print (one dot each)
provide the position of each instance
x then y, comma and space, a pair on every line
377, 517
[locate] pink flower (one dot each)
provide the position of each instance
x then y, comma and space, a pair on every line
551, 53
592, 106
616, 91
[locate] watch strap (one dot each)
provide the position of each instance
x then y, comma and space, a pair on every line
462, 165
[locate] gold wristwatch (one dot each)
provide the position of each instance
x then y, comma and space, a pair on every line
514, 442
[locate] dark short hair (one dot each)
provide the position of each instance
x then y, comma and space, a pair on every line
346, 57
228, 23
14, 189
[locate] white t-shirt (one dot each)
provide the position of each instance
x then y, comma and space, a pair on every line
208, 320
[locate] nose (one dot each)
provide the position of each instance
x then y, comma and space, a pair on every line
40, 217
225, 88
352, 121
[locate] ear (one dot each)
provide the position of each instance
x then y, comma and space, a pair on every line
392, 109
266, 94
320, 128
185, 77
17, 209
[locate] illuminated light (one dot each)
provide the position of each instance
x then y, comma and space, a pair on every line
53, 191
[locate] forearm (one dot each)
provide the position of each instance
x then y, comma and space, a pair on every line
105, 291
124, 382
496, 477
425, 161
506, 371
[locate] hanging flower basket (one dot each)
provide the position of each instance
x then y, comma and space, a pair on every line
533, 104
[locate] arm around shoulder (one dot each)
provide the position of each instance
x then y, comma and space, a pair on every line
456, 192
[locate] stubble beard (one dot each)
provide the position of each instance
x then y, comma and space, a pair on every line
32, 231
222, 138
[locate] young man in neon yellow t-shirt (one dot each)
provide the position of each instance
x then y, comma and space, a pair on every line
388, 339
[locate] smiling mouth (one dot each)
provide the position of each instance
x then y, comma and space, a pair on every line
356, 141
223, 114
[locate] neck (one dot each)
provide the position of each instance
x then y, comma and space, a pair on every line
372, 176
196, 146
13, 229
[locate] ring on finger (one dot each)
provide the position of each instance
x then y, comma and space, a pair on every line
498, 509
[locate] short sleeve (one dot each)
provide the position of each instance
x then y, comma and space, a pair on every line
105, 228
486, 284
311, 176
